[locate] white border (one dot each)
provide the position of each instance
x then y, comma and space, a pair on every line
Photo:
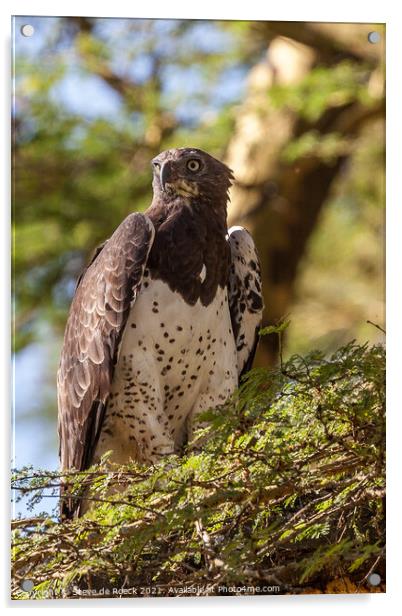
308, 10
291, 10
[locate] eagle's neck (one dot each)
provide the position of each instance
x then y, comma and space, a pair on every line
201, 208
190, 238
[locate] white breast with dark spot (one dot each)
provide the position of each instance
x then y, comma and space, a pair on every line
175, 360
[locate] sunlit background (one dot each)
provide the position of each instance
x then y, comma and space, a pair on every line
296, 110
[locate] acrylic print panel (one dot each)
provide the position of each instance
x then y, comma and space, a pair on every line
188, 466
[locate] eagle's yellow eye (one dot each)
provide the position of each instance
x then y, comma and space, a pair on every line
193, 165
156, 166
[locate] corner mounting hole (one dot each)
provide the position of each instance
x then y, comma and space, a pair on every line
27, 30
374, 579
374, 37
27, 585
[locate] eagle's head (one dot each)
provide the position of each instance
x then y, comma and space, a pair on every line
190, 173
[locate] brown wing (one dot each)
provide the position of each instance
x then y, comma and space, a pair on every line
96, 321
245, 296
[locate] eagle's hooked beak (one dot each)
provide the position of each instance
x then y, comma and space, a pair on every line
165, 174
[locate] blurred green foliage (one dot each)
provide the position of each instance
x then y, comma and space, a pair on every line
78, 173
287, 489
328, 147
322, 88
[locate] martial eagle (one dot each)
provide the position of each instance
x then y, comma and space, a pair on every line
163, 322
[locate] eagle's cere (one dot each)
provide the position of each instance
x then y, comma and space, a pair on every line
163, 322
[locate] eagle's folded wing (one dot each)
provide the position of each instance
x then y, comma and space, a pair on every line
95, 325
245, 296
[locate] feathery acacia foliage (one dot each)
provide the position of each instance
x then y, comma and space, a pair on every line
284, 493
